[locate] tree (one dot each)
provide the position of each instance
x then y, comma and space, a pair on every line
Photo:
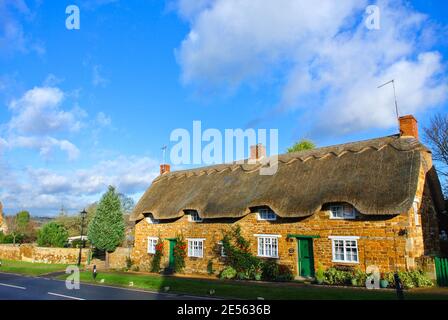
303, 144
107, 229
436, 137
52, 234
13, 228
23, 219
127, 203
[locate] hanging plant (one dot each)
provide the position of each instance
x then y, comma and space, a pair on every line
155, 262
179, 254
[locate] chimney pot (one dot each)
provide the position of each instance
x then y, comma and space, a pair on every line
408, 126
257, 152
164, 168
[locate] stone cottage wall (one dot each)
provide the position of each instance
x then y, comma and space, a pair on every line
389, 242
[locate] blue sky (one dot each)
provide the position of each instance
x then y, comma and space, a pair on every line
81, 109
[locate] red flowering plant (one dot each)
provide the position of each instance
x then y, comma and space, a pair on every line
180, 252
155, 262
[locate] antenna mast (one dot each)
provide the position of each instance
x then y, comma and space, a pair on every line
164, 154
395, 95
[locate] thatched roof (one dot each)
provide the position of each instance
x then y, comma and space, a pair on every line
378, 177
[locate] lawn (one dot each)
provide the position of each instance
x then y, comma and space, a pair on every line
251, 290
30, 268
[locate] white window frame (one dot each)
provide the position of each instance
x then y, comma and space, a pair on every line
349, 215
416, 215
193, 216
152, 242
151, 220
196, 247
345, 240
266, 215
221, 250
263, 241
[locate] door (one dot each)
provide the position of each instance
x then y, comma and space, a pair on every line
171, 256
306, 261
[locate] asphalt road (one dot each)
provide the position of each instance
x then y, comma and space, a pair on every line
17, 287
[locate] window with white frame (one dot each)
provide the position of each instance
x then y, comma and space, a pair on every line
221, 249
152, 242
341, 211
267, 245
345, 249
266, 214
416, 215
194, 216
196, 248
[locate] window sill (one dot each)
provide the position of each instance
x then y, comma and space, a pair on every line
345, 262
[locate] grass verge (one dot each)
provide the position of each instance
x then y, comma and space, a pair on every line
251, 290
30, 268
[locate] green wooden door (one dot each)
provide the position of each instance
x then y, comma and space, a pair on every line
171, 256
306, 261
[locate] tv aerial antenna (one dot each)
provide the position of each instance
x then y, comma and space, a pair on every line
164, 153
395, 95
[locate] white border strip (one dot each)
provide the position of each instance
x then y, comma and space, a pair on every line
344, 237
64, 296
12, 286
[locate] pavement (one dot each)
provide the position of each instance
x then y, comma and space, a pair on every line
20, 287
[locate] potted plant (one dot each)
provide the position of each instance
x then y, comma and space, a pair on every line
320, 275
383, 282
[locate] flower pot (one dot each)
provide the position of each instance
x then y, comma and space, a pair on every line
354, 282
384, 283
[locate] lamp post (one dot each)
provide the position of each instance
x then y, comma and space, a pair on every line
83, 215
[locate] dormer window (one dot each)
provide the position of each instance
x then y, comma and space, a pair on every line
342, 211
266, 214
193, 216
151, 220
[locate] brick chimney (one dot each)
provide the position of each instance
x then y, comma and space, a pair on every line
164, 168
408, 126
257, 152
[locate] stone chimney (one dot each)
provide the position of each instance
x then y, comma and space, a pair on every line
408, 126
257, 152
164, 168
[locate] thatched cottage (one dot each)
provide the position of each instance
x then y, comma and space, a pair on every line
374, 202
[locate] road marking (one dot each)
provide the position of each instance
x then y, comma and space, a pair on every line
64, 296
12, 286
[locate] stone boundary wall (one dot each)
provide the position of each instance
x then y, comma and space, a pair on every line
32, 253
117, 259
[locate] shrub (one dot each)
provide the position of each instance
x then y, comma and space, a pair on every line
320, 273
129, 262
179, 254
360, 277
284, 273
210, 270
155, 262
228, 273
52, 234
239, 257
270, 269
337, 277
410, 279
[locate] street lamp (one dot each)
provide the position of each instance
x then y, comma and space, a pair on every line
83, 215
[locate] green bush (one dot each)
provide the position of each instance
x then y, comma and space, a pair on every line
337, 277
270, 269
228, 273
284, 273
410, 279
239, 257
52, 234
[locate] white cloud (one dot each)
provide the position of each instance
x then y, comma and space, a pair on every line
37, 117
38, 112
98, 80
103, 120
44, 190
327, 61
